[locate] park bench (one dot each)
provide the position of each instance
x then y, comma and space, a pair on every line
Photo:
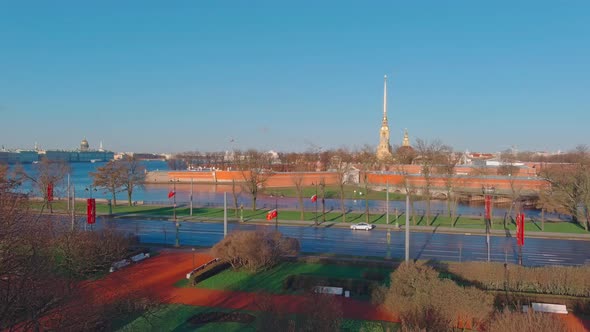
124, 262
328, 290
546, 307
200, 267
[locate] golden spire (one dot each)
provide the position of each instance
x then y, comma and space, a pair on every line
406, 141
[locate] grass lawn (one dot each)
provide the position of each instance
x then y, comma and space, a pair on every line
173, 317
271, 281
331, 216
350, 192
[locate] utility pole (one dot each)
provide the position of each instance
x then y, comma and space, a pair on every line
191, 209
407, 227
73, 205
224, 214
68, 191
387, 202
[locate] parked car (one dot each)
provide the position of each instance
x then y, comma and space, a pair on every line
362, 225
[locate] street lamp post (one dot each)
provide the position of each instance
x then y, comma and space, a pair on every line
177, 244
277, 212
191, 210
488, 192
316, 202
193, 258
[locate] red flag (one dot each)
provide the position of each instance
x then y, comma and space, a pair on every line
91, 211
272, 214
171, 194
50, 192
314, 198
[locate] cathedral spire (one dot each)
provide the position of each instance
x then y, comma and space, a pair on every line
385, 100
384, 148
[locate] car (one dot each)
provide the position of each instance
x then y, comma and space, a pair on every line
362, 225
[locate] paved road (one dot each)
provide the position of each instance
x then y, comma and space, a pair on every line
447, 247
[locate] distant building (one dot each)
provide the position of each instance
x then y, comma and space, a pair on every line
84, 154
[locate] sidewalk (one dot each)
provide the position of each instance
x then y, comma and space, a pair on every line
378, 227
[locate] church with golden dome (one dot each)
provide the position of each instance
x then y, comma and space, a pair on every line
384, 148
405, 153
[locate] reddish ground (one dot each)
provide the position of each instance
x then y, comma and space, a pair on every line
157, 276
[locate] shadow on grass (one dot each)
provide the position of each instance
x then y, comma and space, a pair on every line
156, 211
434, 219
456, 220
377, 219
420, 220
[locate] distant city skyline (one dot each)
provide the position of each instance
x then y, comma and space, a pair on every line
212, 76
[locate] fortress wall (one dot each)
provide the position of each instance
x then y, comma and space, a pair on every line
504, 183
282, 179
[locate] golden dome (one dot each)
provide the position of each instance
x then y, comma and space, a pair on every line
84, 145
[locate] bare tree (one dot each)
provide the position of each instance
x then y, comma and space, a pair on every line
323, 195
407, 186
447, 169
569, 190
514, 194
255, 169
254, 250
133, 176
367, 160
340, 163
177, 162
29, 285
297, 179
235, 196
47, 176
430, 155
111, 177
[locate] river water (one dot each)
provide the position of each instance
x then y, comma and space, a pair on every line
212, 195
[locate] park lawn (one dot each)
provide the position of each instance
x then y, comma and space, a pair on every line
333, 216
173, 317
350, 192
271, 281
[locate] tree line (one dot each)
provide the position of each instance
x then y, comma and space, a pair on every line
43, 262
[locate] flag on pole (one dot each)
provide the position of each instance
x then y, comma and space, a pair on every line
314, 198
171, 194
50, 192
272, 214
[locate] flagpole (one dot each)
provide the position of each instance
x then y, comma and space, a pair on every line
277, 214
387, 203
191, 197
316, 204
224, 214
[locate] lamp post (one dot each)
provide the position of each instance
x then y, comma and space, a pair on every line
316, 202
488, 192
177, 244
191, 209
277, 211
193, 258
90, 189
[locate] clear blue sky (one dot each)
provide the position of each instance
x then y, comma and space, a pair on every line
168, 76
